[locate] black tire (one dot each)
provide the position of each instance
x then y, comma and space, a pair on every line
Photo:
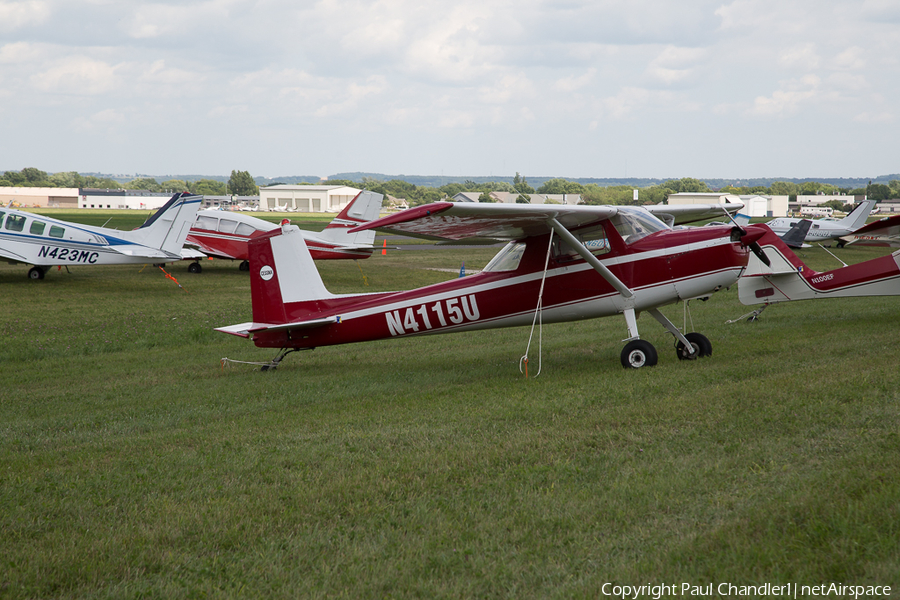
195, 267
244, 266
639, 353
701, 344
35, 273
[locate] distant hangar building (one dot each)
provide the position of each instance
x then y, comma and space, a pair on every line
754, 206
306, 198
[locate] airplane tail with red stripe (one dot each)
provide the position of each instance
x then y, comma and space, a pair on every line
788, 278
282, 271
362, 209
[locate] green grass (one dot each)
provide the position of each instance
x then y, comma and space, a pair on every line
133, 464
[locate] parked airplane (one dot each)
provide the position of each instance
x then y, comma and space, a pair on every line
884, 232
828, 228
225, 234
45, 242
787, 278
596, 261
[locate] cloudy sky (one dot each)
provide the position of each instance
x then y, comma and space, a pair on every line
568, 88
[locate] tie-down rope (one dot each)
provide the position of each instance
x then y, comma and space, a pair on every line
537, 320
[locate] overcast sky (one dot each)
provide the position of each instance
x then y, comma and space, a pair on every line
568, 88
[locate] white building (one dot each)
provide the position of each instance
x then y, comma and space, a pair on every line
39, 197
126, 199
813, 199
754, 206
306, 198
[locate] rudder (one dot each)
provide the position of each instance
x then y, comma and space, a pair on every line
282, 271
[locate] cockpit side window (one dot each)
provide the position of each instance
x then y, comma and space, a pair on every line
15, 223
37, 228
245, 229
209, 223
507, 259
593, 238
227, 225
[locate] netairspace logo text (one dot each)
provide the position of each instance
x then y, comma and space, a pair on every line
731, 590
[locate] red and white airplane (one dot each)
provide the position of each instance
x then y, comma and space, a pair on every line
223, 234
787, 278
566, 262
884, 232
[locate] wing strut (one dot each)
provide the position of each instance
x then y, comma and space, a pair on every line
590, 258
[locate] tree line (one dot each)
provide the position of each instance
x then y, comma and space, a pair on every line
241, 183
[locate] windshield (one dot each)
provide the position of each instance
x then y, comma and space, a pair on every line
632, 225
507, 259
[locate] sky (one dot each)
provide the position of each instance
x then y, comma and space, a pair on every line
562, 88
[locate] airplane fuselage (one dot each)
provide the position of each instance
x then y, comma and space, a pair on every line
43, 241
660, 269
818, 231
224, 234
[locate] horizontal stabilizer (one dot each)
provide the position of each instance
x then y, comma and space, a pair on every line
138, 251
245, 330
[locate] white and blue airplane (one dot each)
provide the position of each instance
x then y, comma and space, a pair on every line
46, 242
828, 228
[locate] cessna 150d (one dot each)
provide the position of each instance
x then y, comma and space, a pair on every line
225, 234
46, 242
596, 261
785, 277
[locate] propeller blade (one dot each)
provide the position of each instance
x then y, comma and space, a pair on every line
758, 251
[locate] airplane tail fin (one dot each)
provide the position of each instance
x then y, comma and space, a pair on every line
857, 217
282, 272
168, 227
362, 209
796, 235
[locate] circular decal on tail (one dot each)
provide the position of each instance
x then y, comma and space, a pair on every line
267, 273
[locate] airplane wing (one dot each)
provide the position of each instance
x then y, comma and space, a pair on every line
678, 214
476, 222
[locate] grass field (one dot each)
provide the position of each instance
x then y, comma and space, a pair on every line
133, 464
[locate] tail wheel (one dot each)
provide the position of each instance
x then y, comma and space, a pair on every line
637, 354
244, 266
700, 343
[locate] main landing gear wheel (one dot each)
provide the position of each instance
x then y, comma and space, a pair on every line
35, 273
244, 266
637, 354
194, 267
702, 347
